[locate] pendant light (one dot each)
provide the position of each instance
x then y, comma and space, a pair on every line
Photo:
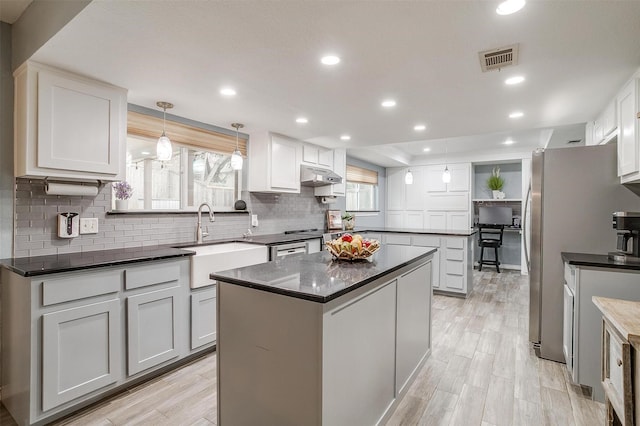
408, 177
163, 147
236, 157
446, 175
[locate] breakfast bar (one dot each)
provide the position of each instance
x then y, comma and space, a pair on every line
316, 341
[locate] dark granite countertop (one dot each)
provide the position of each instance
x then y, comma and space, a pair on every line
41, 265
452, 232
319, 278
597, 261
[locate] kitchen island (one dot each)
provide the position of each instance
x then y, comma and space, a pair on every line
309, 340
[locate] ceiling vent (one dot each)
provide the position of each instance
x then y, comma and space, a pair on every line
574, 141
495, 59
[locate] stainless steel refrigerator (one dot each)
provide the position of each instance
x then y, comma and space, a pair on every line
574, 192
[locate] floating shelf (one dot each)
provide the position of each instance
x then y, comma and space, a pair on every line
493, 200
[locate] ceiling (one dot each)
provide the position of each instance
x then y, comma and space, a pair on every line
574, 55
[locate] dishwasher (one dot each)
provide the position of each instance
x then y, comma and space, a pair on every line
279, 251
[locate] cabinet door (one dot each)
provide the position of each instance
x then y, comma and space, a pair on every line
363, 331
325, 158
627, 142
415, 193
436, 220
152, 325
81, 351
433, 179
340, 167
413, 323
203, 317
310, 154
414, 220
285, 165
458, 220
78, 125
567, 328
395, 189
395, 220
460, 178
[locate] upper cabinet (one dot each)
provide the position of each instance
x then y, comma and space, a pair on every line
339, 166
606, 125
628, 135
273, 163
317, 156
395, 189
68, 126
460, 178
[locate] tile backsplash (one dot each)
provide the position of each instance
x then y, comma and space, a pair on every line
36, 220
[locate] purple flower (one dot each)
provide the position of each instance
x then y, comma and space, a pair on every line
123, 190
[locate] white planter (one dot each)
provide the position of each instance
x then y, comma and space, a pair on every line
122, 204
498, 195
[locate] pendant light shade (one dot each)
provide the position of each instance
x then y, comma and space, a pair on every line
164, 150
408, 177
446, 175
236, 157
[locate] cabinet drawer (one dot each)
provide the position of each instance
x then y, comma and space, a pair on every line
80, 286
143, 276
404, 240
425, 241
455, 268
455, 243
454, 254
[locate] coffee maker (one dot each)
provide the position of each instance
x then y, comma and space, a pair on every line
628, 242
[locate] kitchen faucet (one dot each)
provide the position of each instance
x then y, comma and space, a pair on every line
199, 233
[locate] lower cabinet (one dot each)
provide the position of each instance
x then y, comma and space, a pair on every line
80, 351
68, 338
152, 326
203, 317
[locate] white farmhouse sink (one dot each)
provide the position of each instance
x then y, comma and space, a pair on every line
220, 257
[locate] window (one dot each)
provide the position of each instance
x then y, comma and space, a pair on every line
362, 189
191, 177
199, 170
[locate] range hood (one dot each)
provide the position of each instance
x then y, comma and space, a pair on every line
316, 176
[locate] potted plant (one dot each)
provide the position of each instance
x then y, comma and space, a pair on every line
123, 192
349, 221
495, 183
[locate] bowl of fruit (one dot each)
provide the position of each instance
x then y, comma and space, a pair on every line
352, 247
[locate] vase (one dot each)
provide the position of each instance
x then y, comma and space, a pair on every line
349, 224
122, 204
496, 194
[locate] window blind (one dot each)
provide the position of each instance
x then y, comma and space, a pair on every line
357, 174
151, 127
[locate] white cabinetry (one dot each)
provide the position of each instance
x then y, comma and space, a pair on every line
203, 316
629, 134
415, 193
605, 126
274, 163
317, 156
340, 167
395, 189
68, 126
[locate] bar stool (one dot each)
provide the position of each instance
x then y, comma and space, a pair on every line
490, 236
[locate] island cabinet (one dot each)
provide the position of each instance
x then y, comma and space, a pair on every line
70, 338
297, 355
68, 126
620, 362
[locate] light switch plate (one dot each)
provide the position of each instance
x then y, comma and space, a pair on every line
89, 225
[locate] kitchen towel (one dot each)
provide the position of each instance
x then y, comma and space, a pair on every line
70, 189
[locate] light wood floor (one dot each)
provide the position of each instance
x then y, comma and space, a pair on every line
482, 372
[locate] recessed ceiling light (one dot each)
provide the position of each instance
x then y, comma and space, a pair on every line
330, 60
145, 152
514, 80
516, 114
426, 149
302, 120
419, 127
509, 142
389, 103
510, 6
345, 137
228, 91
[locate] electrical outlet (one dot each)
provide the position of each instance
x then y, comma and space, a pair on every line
254, 220
89, 225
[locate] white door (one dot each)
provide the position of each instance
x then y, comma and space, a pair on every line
567, 328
